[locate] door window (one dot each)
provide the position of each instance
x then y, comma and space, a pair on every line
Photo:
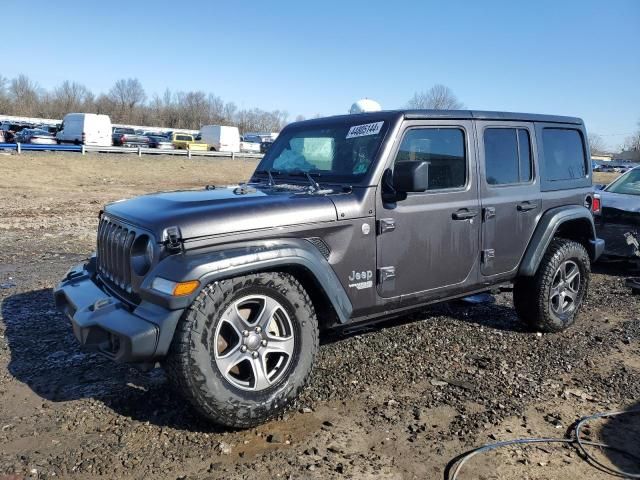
507, 156
443, 149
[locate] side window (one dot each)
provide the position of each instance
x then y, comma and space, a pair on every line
564, 156
507, 156
444, 150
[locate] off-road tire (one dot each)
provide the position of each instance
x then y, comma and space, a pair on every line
531, 295
191, 367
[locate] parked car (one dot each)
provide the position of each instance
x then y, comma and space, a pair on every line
127, 137
85, 128
35, 136
160, 142
221, 138
231, 288
617, 215
184, 141
249, 147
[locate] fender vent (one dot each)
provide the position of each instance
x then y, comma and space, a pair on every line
322, 247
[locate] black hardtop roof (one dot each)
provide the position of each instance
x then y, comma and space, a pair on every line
450, 114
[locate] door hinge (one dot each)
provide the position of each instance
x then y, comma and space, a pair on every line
385, 274
488, 255
489, 213
386, 225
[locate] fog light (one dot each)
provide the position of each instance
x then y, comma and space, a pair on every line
176, 289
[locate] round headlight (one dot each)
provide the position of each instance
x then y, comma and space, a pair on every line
142, 253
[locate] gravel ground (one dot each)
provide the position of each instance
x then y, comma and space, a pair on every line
397, 401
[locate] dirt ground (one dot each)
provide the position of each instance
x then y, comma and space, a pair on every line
398, 401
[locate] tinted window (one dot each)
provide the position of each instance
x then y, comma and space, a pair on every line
507, 154
443, 148
524, 149
564, 157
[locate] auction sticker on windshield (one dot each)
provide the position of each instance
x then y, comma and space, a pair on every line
364, 130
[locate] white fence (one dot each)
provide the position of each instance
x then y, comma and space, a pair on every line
83, 149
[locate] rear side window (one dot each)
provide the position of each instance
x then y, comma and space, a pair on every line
564, 155
507, 153
443, 148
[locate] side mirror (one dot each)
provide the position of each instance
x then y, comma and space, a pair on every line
411, 177
599, 186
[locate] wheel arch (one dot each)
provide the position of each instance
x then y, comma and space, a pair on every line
571, 222
297, 257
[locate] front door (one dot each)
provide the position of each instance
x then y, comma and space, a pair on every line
429, 242
510, 193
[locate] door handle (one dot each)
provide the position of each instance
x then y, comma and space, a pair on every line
526, 206
464, 214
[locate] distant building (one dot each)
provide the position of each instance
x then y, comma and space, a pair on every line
629, 155
605, 157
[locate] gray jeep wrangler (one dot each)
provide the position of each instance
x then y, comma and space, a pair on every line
346, 219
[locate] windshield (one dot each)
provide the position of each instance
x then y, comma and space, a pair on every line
341, 152
629, 183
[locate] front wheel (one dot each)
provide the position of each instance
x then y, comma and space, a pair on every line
551, 300
245, 349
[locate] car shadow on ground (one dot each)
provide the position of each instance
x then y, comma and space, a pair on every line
45, 356
623, 433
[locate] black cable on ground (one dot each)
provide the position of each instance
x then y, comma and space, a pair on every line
576, 441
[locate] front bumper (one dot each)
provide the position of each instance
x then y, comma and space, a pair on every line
105, 324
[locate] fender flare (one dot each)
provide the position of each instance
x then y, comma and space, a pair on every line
241, 259
546, 229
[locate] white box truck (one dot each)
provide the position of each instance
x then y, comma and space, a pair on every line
85, 129
221, 138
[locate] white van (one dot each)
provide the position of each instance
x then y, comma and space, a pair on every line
221, 138
85, 128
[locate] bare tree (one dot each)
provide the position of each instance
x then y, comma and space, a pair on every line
632, 144
300, 118
126, 102
438, 97
5, 103
70, 97
26, 95
597, 145
126, 95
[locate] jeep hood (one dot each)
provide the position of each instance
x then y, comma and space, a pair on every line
218, 211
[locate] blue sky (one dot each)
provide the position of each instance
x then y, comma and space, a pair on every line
577, 58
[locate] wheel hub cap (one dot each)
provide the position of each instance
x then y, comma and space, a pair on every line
253, 341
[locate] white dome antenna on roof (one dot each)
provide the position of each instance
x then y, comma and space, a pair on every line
365, 105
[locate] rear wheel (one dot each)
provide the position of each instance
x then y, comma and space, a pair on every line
551, 300
245, 348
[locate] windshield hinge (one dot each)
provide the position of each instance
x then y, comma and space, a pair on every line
172, 239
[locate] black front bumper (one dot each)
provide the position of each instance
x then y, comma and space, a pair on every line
105, 324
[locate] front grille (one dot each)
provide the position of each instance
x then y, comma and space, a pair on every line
114, 253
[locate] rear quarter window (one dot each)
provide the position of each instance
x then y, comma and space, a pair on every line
564, 154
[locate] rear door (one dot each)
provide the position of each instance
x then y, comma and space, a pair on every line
428, 244
509, 192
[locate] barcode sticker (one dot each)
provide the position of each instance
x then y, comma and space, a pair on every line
364, 130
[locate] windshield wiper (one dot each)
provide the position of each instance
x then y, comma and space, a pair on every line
270, 173
315, 186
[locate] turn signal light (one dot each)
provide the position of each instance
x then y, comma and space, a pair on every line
176, 289
185, 288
